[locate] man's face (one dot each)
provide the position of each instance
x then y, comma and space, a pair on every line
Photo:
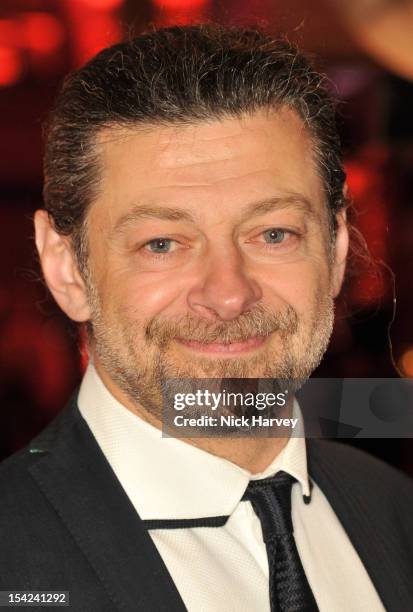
210, 254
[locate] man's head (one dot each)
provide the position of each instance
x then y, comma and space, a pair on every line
194, 191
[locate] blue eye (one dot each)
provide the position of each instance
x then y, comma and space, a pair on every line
160, 245
274, 235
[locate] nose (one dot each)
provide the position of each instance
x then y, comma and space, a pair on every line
225, 290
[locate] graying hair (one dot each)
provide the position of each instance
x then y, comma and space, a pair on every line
179, 75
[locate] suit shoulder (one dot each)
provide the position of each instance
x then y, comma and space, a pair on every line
358, 468
13, 466
15, 479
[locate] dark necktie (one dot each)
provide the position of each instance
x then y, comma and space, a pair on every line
271, 500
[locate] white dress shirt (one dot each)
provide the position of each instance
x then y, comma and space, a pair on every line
222, 569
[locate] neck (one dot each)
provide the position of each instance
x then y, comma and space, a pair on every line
251, 454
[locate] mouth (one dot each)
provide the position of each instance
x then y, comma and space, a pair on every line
230, 349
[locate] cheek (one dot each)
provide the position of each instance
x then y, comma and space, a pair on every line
144, 298
299, 285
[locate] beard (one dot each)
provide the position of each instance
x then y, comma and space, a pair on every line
143, 360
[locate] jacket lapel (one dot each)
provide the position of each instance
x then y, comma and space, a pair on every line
78, 481
371, 529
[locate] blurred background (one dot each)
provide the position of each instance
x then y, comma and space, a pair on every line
364, 46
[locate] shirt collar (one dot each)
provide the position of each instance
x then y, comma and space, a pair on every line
166, 478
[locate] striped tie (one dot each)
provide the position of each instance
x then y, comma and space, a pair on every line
271, 500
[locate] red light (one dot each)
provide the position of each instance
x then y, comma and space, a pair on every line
178, 5
10, 66
406, 363
105, 5
43, 32
180, 12
94, 26
9, 34
365, 180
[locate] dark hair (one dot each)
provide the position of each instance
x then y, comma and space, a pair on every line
179, 75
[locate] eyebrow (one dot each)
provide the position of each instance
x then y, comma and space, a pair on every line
254, 209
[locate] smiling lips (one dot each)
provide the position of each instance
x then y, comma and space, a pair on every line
216, 347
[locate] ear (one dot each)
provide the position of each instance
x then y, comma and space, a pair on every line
60, 269
341, 245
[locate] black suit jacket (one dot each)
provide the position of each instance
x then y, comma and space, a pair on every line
66, 523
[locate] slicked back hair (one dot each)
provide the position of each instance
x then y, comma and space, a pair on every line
179, 75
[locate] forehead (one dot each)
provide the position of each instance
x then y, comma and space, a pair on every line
214, 167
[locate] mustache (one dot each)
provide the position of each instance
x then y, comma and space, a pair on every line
258, 322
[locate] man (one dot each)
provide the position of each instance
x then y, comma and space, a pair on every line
195, 224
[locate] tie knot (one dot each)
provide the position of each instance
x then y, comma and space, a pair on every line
271, 500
